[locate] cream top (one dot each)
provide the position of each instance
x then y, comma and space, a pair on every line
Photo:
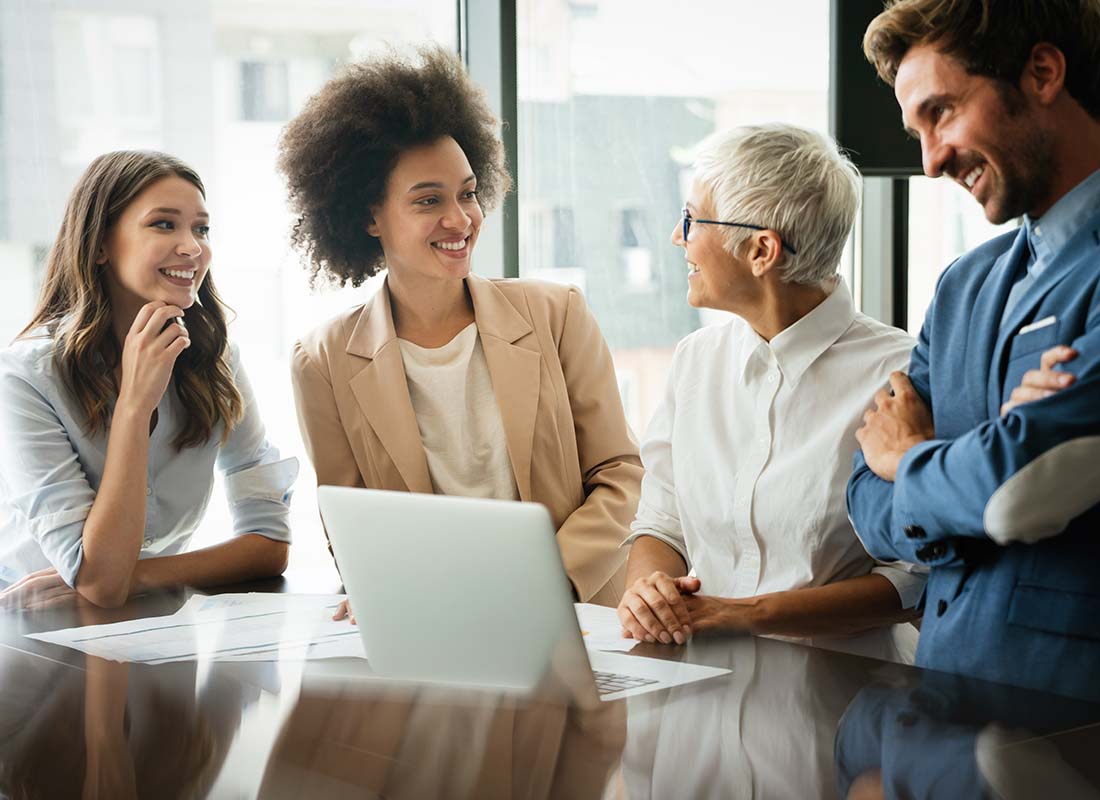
459, 421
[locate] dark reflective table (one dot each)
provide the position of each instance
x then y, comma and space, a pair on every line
787, 722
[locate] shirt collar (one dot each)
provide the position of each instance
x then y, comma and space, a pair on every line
797, 347
1050, 233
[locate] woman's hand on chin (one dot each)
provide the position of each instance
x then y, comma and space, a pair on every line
152, 346
653, 609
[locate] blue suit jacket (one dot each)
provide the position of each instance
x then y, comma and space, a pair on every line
1004, 510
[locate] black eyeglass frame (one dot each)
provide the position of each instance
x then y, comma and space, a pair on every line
688, 220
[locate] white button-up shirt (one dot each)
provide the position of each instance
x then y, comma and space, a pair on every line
747, 457
50, 470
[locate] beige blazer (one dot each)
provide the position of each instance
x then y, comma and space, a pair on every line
570, 446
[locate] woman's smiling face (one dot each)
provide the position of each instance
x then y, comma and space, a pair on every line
716, 278
429, 221
159, 247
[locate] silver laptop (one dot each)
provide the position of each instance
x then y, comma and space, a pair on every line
471, 593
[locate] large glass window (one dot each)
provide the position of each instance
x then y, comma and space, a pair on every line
944, 222
613, 97
213, 83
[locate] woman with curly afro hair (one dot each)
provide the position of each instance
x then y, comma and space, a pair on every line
445, 382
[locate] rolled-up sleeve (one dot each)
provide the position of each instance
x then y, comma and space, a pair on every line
43, 483
658, 514
908, 579
257, 481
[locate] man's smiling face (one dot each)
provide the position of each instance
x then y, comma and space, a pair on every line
976, 131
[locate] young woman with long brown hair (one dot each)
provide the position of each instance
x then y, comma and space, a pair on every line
118, 398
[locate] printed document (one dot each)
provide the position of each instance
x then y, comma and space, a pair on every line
254, 626
260, 626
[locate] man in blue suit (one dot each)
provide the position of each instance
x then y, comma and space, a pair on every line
1000, 500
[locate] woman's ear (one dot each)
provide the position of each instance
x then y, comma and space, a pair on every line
372, 226
101, 256
765, 251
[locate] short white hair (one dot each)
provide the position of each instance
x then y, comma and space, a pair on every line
792, 180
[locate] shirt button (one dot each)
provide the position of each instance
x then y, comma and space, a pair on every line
148, 491
772, 377
931, 552
941, 608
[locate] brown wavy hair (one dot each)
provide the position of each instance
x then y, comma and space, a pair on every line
993, 38
337, 155
75, 306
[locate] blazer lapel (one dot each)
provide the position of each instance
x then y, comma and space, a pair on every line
382, 392
1079, 249
514, 371
985, 324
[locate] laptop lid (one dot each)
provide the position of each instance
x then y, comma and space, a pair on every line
457, 591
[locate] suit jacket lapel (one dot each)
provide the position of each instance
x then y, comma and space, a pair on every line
382, 392
984, 326
1081, 248
514, 371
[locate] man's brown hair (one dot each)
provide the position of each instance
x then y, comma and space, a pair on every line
993, 38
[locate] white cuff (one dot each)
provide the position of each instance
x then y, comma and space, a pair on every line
908, 580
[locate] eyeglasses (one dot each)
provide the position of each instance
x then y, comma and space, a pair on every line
688, 220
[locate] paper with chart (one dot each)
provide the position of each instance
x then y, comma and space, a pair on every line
261, 626
234, 627
601, 628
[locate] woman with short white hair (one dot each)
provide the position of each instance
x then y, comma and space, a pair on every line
742, 525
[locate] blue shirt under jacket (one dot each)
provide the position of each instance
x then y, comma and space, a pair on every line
1005, 510
51, 468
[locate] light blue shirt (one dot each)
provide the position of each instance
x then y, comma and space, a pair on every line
1047, 235
50, 470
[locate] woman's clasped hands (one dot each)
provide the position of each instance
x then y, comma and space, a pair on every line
655, 609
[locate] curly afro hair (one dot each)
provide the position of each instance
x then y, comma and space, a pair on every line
337, 155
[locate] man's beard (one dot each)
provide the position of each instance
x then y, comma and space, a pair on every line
1026, 166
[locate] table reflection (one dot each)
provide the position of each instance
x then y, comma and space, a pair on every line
102, 729
403, 742
765, 731
951, 737
788, 721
